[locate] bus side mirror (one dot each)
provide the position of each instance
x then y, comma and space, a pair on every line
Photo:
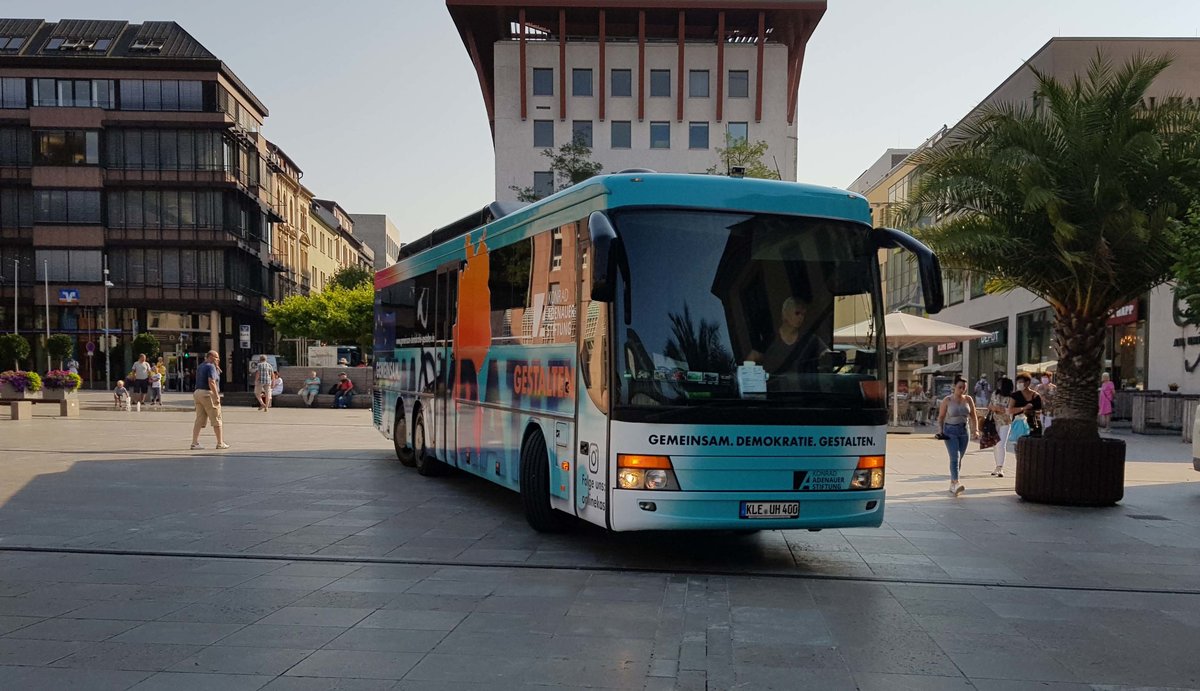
928, 266
604, 257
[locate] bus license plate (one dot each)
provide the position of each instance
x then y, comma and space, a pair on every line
770, 509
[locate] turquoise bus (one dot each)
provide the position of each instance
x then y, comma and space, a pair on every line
649, 351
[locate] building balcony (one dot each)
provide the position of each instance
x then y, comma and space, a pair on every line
277, 262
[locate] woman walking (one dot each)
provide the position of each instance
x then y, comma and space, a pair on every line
998, 408
956, 415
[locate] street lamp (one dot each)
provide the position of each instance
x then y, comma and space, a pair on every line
107, 360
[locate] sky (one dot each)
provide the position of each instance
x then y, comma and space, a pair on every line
379, 105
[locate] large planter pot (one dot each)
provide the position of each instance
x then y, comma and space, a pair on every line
1071, 472
7, 391
59, 394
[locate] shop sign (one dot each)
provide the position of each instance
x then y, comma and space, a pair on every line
947, 347
1125, 314
68, 296
994, 339
244, 336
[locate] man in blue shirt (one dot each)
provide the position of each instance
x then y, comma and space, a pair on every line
207, 397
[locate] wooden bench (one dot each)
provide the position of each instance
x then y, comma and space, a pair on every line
22, 408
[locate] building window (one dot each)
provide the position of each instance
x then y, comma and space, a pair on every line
660, 135
697, 135
622, 83
581, 132
67, 147
66, 206
739, 84
12, 92
978, 284
166, 208
73, 93
543, 133
660, 83
15, 147
16, 209
698, 84
161, 95
543, 81
69, 265
737, 132
543, 183
622, 136
581, 82
163, 149
556, 250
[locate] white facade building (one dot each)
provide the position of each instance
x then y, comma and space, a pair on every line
1145, 348
378, 232
656, 88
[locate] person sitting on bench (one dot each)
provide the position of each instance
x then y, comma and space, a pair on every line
345, 392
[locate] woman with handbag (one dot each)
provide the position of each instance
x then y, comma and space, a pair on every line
998, 412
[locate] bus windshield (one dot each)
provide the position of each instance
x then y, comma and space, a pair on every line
712, 302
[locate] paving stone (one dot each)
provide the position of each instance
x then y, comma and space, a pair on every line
356, 664
219, 659
179, 681
272, 636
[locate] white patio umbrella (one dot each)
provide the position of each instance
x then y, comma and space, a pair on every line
904, 330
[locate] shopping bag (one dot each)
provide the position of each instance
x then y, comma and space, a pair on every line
989, 435
1020, 428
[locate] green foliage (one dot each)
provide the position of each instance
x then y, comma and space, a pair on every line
1187, 267
742, 153
13, 348
62, 379
335, 315
571, 164
352, 276
147, 343
22, 381
1079, 199
60, 346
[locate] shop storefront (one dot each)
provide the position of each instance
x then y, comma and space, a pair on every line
1035, 336
989, 354
1125, 353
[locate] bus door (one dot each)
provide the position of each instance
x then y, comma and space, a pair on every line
447, 308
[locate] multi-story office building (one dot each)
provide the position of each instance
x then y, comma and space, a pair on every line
1144, 346
135, 145
655, 85
378, 232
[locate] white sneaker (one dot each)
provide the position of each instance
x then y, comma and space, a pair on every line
196, 447
222, 445
957, 489
999, 472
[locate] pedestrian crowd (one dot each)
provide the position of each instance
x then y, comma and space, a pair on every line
999, 413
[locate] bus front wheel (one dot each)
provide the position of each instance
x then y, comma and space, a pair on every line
535, 486
425, 463
404, 451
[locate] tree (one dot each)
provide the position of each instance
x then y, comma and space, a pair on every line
1078, 200
1187, 269
351, 276
334, 315
740, 153
60, 346
13, 348
147, 343
571, 164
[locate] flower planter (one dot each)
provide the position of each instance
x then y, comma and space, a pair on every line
7, 391
1071, 472
59, 394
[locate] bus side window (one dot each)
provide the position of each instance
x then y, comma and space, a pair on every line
593, 326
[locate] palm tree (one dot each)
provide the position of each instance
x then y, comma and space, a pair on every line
1077, 199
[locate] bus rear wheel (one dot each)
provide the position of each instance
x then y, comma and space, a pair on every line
425, 463
535, 486
404, 451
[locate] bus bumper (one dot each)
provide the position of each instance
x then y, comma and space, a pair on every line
652, 510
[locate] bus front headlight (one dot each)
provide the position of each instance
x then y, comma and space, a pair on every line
645, 472
869, 473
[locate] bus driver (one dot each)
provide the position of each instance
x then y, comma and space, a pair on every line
792, 349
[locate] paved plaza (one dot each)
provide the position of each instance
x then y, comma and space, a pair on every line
306, 557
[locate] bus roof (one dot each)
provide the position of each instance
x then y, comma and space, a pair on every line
663, 190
